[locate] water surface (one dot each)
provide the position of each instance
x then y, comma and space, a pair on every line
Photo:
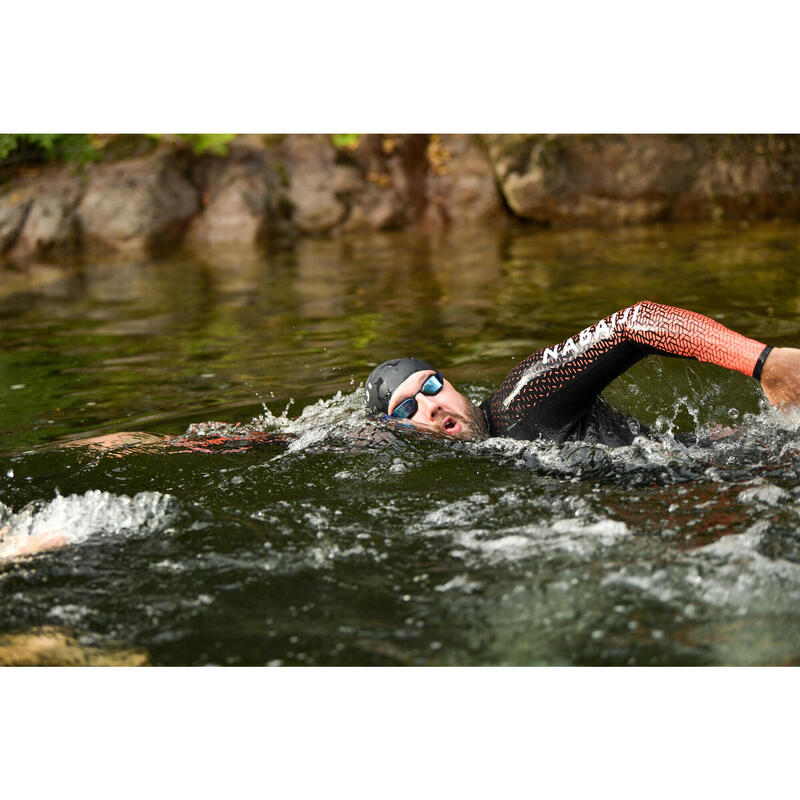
407, 550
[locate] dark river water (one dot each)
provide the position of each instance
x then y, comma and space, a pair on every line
357, 545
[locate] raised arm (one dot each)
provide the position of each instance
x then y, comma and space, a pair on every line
550, 390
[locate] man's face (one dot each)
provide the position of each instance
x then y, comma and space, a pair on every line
448, 411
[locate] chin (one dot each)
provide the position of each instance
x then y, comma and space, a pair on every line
471, 425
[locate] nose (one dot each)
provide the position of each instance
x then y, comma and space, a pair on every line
427, 405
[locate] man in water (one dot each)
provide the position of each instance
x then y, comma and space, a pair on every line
554, 393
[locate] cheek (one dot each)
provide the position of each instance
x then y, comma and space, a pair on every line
455, 400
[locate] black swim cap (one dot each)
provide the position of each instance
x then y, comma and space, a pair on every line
386, 377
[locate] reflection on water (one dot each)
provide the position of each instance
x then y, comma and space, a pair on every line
342, 550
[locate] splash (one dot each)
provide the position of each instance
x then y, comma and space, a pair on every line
68, 520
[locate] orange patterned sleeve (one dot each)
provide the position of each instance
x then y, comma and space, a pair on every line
548, 392
678, 332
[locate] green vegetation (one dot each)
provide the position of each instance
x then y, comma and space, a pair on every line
38, 147
80, 148
349, 140
215, 143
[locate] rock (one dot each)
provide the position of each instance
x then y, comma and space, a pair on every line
51, 225
420, 180
374, 208
137, 204
743, 177
236, 195
145, 193
390, 192
594, 180
13, 210
462, 187
317, 183
49, 646
621, 179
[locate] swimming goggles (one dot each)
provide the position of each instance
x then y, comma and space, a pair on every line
433, 385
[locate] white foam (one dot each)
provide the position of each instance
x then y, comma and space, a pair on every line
573, 536
730, 574
72, 519
768, 494
454, 514
460, 582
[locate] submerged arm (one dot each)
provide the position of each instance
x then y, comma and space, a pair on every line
125, 442
111, 441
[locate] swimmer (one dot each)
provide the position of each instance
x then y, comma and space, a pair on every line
554, 393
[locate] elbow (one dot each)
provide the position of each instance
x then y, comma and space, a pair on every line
647, 309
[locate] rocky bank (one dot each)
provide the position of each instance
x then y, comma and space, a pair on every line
144, 195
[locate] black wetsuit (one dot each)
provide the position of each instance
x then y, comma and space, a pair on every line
554, 393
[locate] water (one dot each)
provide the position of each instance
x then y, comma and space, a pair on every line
361, 545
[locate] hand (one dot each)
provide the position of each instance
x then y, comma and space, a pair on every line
780, 377
21, 544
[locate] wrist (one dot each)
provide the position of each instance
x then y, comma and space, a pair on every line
758, 368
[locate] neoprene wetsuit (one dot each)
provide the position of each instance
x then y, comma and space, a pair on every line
229, 443
554, 392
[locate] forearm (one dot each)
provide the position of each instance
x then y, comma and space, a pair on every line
112, 441
671, 331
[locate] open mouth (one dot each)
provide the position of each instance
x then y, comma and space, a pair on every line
451, 425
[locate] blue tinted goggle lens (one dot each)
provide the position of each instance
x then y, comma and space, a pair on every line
408, 407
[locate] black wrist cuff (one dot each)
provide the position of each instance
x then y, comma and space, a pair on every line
760, 363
